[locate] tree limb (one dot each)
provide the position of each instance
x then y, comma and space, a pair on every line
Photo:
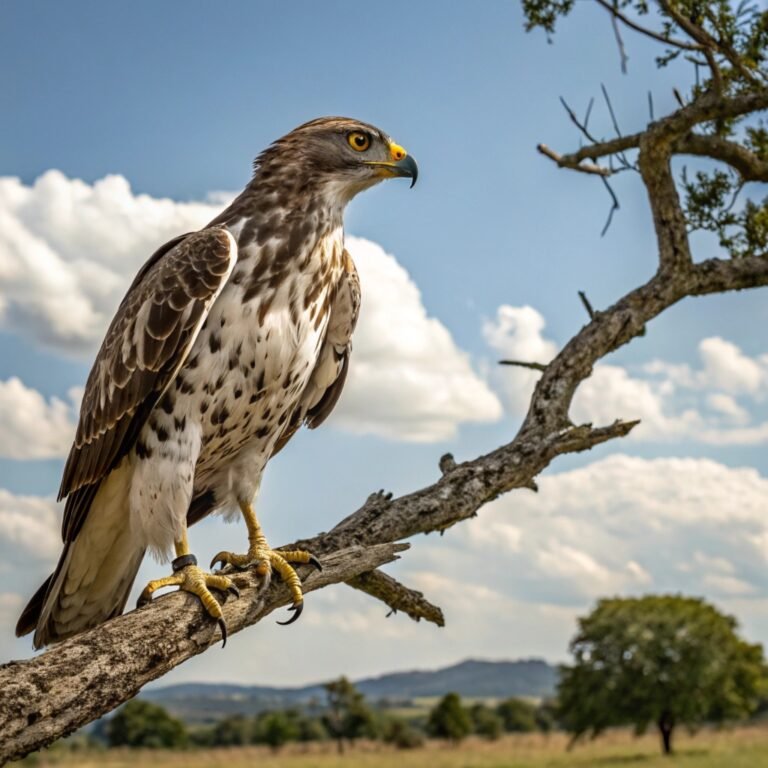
618, 15
397, 596
749, 166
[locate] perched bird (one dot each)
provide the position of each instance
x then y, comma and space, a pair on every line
228, 340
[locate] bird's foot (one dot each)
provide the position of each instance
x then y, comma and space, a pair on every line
189, 578
267, 560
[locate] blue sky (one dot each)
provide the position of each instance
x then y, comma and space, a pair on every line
177, 98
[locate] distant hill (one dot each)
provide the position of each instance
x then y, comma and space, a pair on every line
199, 702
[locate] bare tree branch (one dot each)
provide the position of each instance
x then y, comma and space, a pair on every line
397, 596
749, 166
617, 14
524, 364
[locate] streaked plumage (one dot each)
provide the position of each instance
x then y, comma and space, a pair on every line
228, 340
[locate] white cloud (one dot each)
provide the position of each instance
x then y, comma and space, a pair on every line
516, 333
621, 525
611, 393
29, 527
69, 249
727, 406
31, 426
674, 401
408, 379
726, 367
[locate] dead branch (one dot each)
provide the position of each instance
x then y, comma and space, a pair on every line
397, 596
619, 16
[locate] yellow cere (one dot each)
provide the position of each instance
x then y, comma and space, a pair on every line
396, 151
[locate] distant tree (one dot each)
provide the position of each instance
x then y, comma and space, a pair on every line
311, 729
142, 724
401, 734
546, 716
232, 731
449, 719
348, 716
485, 722
517, 715
664, 661
277, 728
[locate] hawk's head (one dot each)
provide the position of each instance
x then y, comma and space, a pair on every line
342, 155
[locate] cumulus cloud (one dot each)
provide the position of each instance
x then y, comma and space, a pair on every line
68, 251
621, 525
517, 333
33, 427
708, 403
612, 392
408, 378
29, 527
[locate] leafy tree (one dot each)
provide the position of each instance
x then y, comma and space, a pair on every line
402, 734
658, 660
232, 731
546, 716
311, 729
143, 724
449, 719
485, 722
517, 715
277, 728
348, 716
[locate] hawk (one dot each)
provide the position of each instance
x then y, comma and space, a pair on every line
228, 340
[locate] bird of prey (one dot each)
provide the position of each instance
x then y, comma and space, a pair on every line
228, 340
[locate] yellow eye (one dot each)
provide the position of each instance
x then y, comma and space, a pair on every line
359, 141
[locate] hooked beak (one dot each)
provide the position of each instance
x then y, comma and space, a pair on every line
402, 165
407, 167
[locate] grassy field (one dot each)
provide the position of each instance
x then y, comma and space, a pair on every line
737, 748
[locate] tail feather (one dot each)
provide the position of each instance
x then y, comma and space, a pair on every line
31, 614
95, 573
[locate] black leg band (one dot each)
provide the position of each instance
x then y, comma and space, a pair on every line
182, 562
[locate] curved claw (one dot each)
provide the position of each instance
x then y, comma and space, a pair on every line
143, 600
223, 628
234, 590
218, 559
298, 608
314, 561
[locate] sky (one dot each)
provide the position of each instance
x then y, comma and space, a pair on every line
127, 124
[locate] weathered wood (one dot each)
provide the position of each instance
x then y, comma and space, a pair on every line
80, 679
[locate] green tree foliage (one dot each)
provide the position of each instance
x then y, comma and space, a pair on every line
727, 43
348, 716
401, 734
277, 728
658, 660
517, 716
142, 724
232, 731
311, 729
449, 719
485, 722
546, 716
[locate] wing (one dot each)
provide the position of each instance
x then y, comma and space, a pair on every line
330, 372
145, 346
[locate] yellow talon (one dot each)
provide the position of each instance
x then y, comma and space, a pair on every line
194, 580
267, 560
